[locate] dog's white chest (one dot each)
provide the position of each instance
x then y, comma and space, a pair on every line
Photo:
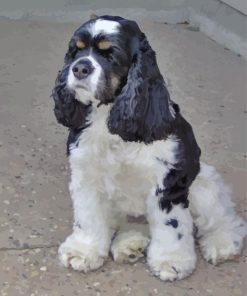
124, 172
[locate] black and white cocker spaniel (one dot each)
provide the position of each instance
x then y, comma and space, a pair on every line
131, 152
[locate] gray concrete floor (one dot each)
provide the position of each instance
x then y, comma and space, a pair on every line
209, 83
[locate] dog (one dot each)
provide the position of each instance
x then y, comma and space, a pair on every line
132, 153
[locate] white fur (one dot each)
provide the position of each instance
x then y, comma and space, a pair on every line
80, 253
220, 229
169, 257
105, 177
110, 177
96, 77
104, 27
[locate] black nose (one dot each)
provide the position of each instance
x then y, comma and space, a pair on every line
82, 69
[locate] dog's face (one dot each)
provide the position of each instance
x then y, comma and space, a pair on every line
99, 56
109, 60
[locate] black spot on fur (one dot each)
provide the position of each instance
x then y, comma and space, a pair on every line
78, 225
172, 222
236, 244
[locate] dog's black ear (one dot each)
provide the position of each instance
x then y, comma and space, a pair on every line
141, 111
71, 52
68, 111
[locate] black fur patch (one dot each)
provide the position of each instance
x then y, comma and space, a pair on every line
175, 187
68, 111
141, 111
74, 135
172, 222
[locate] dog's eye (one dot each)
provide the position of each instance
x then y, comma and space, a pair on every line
80, 44
104, 45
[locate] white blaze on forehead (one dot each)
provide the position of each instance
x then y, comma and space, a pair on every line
104, 26
95, 76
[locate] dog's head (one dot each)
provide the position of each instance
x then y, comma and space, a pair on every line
99, 56
110, 60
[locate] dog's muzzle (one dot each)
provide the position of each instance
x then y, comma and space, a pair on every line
82, 69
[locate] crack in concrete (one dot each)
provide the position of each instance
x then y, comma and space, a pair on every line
6, 249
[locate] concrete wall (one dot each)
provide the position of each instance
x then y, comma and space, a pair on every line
240, 5
89, 4
221, 14
215, 18
221, 22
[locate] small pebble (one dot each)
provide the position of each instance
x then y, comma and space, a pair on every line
34, 273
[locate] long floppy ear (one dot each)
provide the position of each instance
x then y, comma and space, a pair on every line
141, 111
68, 111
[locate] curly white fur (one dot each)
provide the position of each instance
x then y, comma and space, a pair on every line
220, 229
131, 174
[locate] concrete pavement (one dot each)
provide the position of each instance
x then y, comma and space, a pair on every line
209, 83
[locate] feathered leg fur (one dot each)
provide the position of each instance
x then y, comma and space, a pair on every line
220, 230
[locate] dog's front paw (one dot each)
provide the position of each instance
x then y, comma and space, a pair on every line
222, 245
78, 255
172, 266
128, 247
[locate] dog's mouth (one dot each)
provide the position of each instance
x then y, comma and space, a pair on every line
104, 94
82, 87
104, 100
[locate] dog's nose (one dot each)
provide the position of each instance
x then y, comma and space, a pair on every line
82, 69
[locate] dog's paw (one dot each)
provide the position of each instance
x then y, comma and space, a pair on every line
128, 247
79, 256
221, 245
172, 270
172, 266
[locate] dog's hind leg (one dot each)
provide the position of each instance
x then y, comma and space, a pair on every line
220, 230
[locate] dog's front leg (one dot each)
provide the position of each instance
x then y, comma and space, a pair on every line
88, 246
171, 253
